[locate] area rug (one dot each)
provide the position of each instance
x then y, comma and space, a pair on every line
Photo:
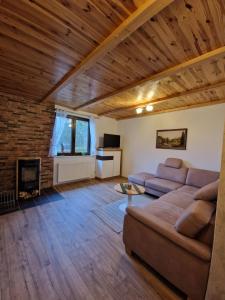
113, 216
47, 195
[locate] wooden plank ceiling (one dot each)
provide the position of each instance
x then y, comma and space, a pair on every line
114, 60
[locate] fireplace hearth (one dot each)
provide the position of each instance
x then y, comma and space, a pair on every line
28, 178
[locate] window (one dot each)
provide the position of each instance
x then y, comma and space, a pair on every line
75, 139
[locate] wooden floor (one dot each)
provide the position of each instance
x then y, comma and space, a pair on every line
61, 250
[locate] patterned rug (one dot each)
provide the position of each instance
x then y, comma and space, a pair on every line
112, 215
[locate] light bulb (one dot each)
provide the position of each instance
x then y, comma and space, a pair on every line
149, 107
139, 110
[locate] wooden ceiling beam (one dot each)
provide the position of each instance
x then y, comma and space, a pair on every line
146, 11
158, 76
197, 105
167, 98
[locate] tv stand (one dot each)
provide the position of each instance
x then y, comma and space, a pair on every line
108, 162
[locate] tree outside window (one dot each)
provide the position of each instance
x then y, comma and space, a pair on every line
75, 139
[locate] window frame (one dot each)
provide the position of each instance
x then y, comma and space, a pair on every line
73, 138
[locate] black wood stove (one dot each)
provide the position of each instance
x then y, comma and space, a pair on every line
28, 178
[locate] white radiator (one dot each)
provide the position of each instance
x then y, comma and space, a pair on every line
74, 171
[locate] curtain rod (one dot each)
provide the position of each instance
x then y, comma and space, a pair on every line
75, 113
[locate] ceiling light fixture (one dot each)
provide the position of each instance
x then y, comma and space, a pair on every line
139, 110
149, 107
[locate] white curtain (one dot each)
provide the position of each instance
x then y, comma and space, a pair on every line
93, 135
60, 121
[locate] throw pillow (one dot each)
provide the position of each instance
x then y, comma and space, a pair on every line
195, 218
208, 192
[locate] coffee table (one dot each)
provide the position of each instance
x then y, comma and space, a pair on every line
130, 189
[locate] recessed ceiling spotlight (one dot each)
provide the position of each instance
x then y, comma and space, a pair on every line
139, 110
149, 107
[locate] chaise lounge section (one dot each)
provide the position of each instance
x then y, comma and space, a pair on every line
160, 234
169, 176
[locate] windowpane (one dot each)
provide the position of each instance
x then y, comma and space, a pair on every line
82, 136
65, 142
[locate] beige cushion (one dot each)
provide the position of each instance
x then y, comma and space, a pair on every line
165, 172
162, 185
162, 210
180, 199
188, 189
200, 178
173, 163
208, 192
206, 235
140, 178
195, 218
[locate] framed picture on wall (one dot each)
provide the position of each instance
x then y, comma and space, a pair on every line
171, 139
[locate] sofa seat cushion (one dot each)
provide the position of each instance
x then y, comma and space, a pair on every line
164, 211
178, 198
140, 178
162, 185
188, 189
153, 192
167, 230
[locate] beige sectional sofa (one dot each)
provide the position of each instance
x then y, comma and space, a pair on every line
171, 176
166, 233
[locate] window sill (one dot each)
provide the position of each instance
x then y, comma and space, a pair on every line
72, 155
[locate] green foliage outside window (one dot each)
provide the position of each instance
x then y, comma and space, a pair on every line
75, 139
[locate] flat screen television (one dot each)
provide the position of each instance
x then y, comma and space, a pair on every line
111, 141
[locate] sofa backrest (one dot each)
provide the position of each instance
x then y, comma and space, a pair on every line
169, 173
199, 177
174, 162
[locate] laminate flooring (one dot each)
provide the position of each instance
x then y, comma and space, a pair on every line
61, 250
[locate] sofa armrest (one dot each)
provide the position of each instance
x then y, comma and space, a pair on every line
193, 246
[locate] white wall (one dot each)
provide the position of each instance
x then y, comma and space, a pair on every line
105, 125
204, 142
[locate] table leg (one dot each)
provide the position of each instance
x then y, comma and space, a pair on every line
129, 200
126, 204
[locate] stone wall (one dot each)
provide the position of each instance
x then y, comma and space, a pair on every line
25, 131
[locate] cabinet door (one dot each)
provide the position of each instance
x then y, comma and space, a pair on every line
116, 163
104, 168
98, 168
107, 169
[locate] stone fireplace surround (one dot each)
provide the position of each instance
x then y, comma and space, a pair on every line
25, 130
